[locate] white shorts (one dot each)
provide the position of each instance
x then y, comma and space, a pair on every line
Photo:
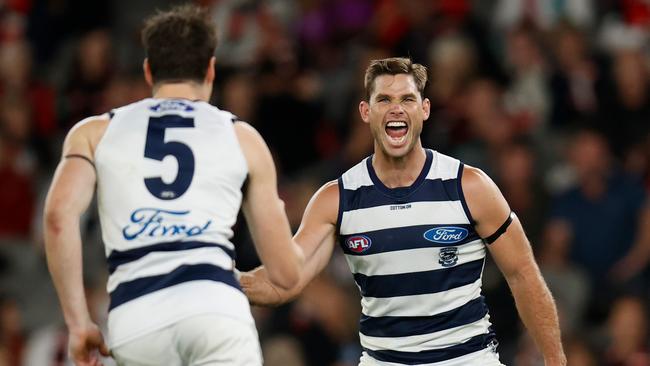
209, 339
485, 357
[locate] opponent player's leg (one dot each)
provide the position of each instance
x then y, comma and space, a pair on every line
153, 349
218, 340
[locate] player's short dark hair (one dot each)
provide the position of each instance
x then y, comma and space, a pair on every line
394, 66
179, 43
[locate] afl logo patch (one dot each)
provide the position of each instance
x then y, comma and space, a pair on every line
448, 256
446, 234
358, 243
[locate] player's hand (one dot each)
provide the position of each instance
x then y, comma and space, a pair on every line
85, 345
258, 289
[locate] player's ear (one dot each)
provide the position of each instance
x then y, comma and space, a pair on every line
210, 73
426, 108
364, 111
147, 72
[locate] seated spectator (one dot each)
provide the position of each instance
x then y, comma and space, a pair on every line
12, 337
626, 113
628, 334
579, 353
568, 283
517, 177
608, 217
17, 170
575, 80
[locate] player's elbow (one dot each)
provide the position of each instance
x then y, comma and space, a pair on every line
287, 277
53, 221
523, 273
56, 218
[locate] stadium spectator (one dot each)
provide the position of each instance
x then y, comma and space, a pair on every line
608, 214
627, 328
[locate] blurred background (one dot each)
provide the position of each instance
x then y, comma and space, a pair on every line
549, 97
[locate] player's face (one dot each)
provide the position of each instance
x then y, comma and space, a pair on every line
395, 113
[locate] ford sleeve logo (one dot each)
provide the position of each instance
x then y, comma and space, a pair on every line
446, 234
358, 243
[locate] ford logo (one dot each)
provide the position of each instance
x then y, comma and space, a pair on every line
446, 234
358, 243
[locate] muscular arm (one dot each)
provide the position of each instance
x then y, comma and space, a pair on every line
316, 236
512, 253
264, 212
70, 194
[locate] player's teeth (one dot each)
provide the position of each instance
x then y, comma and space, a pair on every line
396, 124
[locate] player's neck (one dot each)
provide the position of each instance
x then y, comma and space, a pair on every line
399, 172
181, 90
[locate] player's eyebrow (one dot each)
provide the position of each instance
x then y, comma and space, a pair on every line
401, 97
382, 96
408, 95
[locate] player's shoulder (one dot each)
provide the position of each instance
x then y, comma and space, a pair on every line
95, 126
90, 123
250, 140
329, 190
477, 185
245, 130
325, 202
474, 178
89, 130
481, 194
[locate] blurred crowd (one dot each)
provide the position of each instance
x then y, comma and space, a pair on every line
550, 98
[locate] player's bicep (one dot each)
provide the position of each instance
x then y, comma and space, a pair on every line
511, 251
73, 184
262, 206
485, 202
494, 221
317, 232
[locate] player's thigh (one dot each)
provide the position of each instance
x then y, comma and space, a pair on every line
213, 339
153, 349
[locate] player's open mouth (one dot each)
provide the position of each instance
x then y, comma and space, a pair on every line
396, 131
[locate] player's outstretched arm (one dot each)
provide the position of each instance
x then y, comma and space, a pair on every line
69, 196
264, 212
316, 236
512, 253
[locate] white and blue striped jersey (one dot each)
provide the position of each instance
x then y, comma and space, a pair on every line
418, 263
169, 179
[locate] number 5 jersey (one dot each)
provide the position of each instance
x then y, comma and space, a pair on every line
169, 180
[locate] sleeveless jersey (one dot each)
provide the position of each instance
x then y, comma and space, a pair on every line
169, 179
418, 262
